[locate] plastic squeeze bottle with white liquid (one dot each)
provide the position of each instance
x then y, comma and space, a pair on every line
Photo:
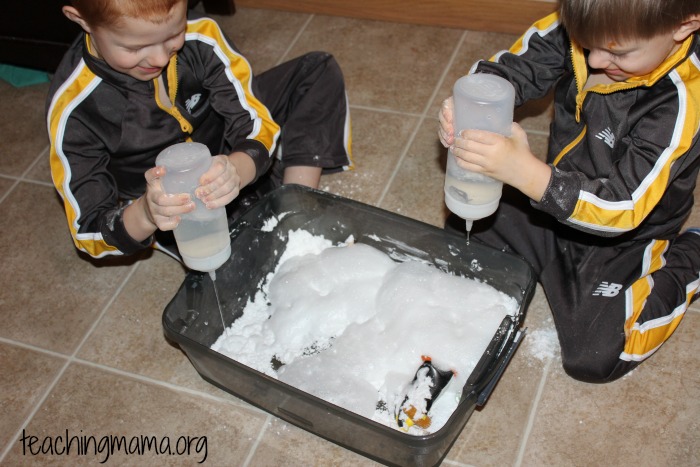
202, 235
482, 102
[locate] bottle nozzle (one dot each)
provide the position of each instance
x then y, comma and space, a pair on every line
469, 224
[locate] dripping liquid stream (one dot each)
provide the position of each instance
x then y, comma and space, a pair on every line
212, 274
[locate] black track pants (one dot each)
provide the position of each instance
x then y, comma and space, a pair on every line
306, 97
614, 302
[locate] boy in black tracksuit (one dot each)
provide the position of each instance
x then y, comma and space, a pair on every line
143, 77
600, 220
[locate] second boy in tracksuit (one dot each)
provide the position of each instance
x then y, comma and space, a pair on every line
600, 220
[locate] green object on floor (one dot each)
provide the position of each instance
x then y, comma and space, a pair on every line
19, 77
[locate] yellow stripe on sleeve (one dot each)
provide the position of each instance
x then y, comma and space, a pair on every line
239, 72
541, 26
628, 214
81, 82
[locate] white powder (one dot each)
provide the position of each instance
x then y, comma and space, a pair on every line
350, 326
543, 344
272, 222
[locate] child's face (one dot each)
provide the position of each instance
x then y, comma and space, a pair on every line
141, 48
638, 57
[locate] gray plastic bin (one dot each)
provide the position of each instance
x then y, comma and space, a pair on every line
192, 319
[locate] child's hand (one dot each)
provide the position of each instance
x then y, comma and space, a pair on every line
446, 116
490, 153
164, 210
220, 184
507, 159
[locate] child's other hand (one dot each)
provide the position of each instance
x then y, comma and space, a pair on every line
508, 159
220, 184
446, 116
162, 209
492, 154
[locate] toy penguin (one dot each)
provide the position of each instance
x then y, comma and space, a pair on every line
427, 384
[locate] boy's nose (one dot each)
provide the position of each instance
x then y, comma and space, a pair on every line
598, 59
160, 56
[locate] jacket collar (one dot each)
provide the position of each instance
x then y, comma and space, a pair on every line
581, 68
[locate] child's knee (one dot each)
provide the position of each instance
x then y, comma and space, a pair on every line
326, 66
588, 372
596, 367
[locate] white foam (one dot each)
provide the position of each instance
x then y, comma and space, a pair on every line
350, 325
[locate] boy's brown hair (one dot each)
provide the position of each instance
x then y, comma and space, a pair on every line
108, 12
590, 22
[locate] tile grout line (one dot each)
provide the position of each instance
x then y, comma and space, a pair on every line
9, 190
456, 463
33, 348
295, 40
128, 374
165, 384
529, 131
531, 417
33, 412
70, 359
385, 110
22, 177
254, 447
36, 161
27, 180
421, 119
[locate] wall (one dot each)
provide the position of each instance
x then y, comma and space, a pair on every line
511, 16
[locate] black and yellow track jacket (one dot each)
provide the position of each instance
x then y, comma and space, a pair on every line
106, 128
625, 156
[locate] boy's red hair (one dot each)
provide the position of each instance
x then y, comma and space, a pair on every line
108, 12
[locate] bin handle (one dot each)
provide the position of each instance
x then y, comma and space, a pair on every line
297, 418
490, 359
516, 339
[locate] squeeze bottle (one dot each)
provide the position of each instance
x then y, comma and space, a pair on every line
482, 102
202, 235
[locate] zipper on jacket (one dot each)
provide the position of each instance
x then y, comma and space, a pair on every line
172, 110
581, 76
567, 149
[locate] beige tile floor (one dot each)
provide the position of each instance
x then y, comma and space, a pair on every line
82, 347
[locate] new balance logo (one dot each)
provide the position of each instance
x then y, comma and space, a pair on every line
191, 102
607, 136
607, 289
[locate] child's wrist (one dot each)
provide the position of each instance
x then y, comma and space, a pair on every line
138, 221
245, 166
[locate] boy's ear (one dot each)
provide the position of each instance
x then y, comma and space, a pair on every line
74, 15
687, 27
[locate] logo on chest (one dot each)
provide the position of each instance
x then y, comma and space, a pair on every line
607, 136
192, 102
